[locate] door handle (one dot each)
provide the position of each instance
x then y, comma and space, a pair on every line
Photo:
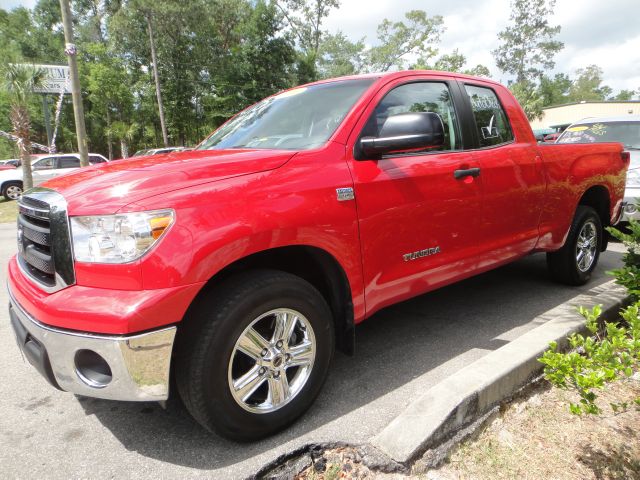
467, 172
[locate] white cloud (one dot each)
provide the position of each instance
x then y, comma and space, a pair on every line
594, 32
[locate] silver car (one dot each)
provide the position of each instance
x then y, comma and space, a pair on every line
624, 129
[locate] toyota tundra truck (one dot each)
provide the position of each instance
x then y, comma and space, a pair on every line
229, 274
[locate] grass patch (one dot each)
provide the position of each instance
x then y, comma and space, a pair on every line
8, 210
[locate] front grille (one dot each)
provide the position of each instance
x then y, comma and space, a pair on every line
44, 243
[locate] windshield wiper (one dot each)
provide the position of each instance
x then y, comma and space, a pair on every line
632, 147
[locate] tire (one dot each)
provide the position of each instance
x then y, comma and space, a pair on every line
211, 358
576, 260
12, 190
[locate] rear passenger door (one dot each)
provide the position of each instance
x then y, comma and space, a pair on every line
512, 176
66, 164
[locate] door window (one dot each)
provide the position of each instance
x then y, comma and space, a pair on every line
93, 159
491, 121
418, 97
68, 162
44, 164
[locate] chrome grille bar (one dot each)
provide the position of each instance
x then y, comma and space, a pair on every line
45, 254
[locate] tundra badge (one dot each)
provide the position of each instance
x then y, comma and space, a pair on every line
421, 253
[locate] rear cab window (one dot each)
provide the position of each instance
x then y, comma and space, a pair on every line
490, 120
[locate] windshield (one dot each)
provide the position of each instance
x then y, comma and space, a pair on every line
298, 119
627, 133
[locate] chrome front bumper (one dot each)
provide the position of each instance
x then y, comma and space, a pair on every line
138, 365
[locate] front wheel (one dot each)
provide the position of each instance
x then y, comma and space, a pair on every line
254, 354
576, 260
12, 190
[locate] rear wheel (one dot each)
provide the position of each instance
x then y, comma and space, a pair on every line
12, 190
576, 260
254, 354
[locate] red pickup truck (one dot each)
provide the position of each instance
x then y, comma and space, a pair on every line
238, 267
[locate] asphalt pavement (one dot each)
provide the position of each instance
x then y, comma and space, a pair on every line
400, 352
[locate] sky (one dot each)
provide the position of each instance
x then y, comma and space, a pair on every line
605, 33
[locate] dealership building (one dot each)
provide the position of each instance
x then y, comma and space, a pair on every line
561, 116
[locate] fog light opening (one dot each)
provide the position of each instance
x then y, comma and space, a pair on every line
92, 369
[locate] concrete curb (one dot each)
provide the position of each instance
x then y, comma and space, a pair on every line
471, 392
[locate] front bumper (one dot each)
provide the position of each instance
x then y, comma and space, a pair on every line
132, 367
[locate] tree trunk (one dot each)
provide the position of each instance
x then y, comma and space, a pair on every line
124, 148
156, 77
109, 137
21, 127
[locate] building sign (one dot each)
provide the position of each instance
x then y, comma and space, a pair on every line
56, 79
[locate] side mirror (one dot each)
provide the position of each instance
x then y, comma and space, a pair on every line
403, 132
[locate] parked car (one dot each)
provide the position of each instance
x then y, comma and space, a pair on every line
296, 220
45, 167
9, 164
624, 129
158, 151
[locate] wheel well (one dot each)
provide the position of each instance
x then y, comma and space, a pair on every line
317, 267
597, 197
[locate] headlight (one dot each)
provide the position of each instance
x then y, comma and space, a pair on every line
118, 238
633, 178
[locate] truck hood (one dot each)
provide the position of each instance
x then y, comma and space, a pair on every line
106, 188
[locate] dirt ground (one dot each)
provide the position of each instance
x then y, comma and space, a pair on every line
532, 438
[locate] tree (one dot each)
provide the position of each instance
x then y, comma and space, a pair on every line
587, 85
529, 97
419, 36
527, 45
453, 62
625, 95
20, 80
125, 132
305, 18
340, 56
555, 91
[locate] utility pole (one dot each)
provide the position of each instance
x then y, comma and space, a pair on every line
154, 59
78, 111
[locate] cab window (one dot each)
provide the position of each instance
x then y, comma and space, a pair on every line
68, 162
45, 164
93, 159
418, 97
490, 119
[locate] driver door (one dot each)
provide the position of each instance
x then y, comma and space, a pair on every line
420, 221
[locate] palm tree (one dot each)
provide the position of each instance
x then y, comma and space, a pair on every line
20, 80
125, 132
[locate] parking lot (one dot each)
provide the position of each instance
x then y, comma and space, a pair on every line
399, 353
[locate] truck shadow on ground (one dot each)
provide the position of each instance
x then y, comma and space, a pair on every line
392, 348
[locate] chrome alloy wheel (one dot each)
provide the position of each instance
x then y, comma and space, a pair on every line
272, 360
586, 246
14, 192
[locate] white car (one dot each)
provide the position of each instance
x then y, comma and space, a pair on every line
45, 167
624, 129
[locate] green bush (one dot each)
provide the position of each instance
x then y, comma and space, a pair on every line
596, 359
629, 275
608, 352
